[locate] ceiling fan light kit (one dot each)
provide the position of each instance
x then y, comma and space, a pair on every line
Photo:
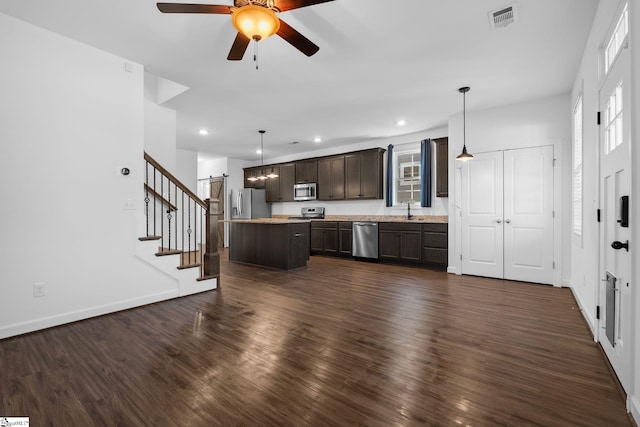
255, 22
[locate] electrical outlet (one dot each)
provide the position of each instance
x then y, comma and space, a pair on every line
38, 289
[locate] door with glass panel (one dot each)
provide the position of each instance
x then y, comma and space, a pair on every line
614, 332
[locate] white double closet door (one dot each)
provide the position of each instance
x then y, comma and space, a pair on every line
507, 215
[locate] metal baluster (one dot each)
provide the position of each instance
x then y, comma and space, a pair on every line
189, 229
182, 228
169, 216
146, 194
155, 201
161, 215
201, 251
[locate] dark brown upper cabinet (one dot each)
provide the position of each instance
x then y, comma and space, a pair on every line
253, 172
354, 176
280, 189
363, 174
307, 171
331, 178
442, 167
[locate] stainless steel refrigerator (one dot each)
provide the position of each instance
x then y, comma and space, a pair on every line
249, 203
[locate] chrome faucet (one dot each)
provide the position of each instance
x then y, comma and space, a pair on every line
409, 216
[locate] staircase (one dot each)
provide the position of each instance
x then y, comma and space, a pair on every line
180, 231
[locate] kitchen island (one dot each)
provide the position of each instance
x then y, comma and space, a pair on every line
275, 243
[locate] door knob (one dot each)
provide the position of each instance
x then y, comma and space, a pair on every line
499, 221
619, 245
508, 221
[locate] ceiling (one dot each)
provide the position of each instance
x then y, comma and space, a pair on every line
379, 61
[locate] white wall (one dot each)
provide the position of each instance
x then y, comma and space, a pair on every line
187, 168
71, 118
585, 259
584, 252
529, 124
159, 126
634, 11
361, 207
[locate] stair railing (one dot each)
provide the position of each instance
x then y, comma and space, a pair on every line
180, 221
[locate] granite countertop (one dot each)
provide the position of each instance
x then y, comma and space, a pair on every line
276, 220
419, 219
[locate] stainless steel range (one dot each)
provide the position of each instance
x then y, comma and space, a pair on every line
310, 213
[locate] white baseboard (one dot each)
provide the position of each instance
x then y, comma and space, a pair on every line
634, 408
586, 313
74, 316
451, 270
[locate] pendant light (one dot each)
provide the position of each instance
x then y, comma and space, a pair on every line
464, 155
262, 175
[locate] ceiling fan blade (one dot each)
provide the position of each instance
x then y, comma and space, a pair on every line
239, 47
193, 8
296, 39
285, 5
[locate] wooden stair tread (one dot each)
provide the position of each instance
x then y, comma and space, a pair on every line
186, 266
201, 278
146, 238
168, 252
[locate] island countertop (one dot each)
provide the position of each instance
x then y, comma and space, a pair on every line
283, 220
417, 219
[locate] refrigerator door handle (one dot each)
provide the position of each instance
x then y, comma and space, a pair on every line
240, 203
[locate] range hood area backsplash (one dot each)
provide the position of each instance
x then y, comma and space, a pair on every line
361, 208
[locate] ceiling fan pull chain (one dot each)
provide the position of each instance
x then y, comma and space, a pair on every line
255, 53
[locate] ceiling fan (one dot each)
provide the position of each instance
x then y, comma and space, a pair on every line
254, 20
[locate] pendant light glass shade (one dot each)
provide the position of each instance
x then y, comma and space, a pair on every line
464, 156
255, 22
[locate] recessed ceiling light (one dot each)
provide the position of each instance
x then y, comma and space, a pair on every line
258, 151
401, 122
317, 139
203, 132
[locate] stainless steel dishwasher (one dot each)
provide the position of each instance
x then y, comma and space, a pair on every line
365, 240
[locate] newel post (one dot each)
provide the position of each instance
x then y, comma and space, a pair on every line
211, 255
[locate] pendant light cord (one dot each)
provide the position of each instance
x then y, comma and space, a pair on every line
464, 119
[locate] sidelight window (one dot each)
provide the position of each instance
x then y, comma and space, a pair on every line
577, 168
613, 120
618, 39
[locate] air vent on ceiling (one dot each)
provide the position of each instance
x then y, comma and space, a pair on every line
502, 17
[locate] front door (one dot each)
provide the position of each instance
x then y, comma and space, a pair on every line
614, 332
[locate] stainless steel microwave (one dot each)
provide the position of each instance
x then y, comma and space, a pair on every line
305, 191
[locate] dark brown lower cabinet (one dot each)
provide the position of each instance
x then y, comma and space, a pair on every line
400, 241
284, 246
345, 238
324, 237
435, 244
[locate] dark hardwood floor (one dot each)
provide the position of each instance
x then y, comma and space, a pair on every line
339, 343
